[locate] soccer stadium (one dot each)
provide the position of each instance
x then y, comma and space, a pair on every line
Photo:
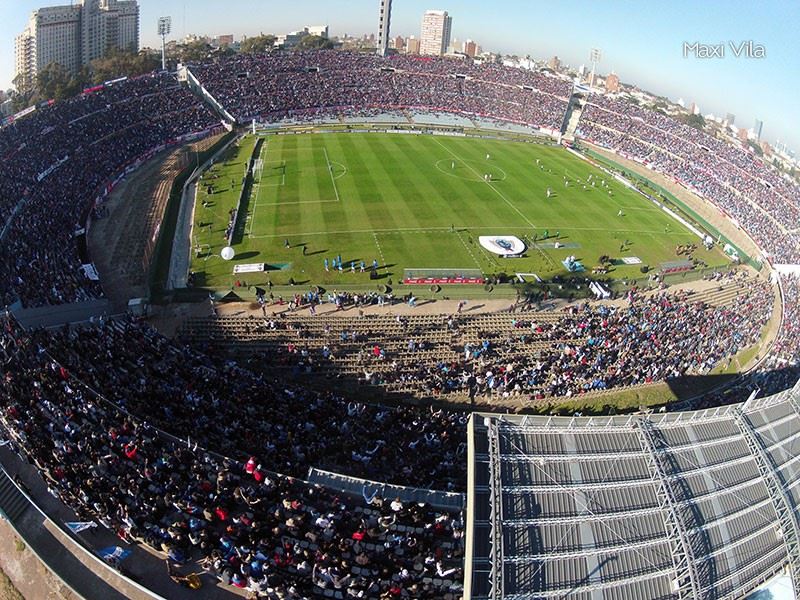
343, 324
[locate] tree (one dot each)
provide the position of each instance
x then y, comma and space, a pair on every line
756, 148
692, 120
123, 63
24, 94
314, 42
51, 79
55, 82
259, 43
194, 51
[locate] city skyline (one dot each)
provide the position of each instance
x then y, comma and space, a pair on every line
642, 43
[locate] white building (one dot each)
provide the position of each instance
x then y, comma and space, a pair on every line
293, 38
75, 35
318, 30
436, 28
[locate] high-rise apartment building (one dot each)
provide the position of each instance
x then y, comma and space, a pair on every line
470, 48
554, 64
612, 83
436, 28
412, 45
384, 25
74, 35
758, 126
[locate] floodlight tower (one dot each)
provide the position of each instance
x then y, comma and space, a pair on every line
595, 54
164, 28
384, 25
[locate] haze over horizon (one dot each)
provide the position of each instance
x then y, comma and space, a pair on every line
642, 42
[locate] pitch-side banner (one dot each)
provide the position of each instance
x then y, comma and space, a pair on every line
90, 272
78, 526
114, 553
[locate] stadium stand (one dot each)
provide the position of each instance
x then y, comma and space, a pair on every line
250, 527
533, 355
685, 505
271, 86
676, 505
737, 182
61, 159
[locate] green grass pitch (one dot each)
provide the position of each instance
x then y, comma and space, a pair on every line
420, 201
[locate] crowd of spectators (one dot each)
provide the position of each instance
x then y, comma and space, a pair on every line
58, 160
232, 409
280, 84
780, 367
90, 406
588, 347
760, 200
277, 536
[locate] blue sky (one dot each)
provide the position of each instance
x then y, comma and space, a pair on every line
642, 41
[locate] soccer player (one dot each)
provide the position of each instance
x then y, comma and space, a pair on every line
452, 164
327, 267
487, 156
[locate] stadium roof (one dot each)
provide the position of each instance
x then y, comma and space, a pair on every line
674, 505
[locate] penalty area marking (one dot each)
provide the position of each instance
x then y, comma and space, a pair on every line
449, 172
338, 164
329, 166
281, 164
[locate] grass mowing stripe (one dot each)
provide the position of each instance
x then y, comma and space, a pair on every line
498, 192
330, 172
395, 193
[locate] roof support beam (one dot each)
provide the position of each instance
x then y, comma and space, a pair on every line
495, 514
686, 583
781, 501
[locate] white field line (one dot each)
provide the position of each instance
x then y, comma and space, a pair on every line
258, 191
281, 163
380, 250
330, 172
469, 251
564, 228
489, 183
